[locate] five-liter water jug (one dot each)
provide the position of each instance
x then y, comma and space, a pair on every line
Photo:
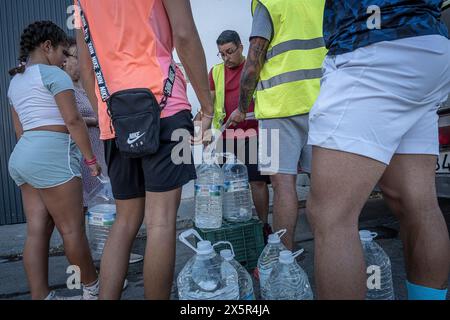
245, 280
206, 276
237, 202
268, 258
379, 284
101, 216
208, 194
288, 281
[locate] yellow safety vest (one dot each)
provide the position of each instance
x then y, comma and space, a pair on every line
218, 74
289, 83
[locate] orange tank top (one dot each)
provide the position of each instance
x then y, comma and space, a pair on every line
133, 42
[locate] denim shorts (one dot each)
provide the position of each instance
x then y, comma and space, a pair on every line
45, 159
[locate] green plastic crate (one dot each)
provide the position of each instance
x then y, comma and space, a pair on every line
246, 237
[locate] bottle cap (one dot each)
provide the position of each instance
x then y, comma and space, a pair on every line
226, 254
366, 235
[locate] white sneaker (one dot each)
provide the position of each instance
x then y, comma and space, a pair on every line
91, 292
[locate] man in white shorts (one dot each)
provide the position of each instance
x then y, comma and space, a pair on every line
375, 122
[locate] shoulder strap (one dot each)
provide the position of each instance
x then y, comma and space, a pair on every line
95, 63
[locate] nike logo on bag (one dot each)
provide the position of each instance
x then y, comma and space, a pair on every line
134, 137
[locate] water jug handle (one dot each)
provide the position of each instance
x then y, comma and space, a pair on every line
188, 233
225, 242
280, 233
374, 235
299, 252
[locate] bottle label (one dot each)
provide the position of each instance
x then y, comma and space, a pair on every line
101, 219
238, 185
211, 190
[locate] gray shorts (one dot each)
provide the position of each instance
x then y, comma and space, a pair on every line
283, 145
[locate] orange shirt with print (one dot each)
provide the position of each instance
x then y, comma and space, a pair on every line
134, 45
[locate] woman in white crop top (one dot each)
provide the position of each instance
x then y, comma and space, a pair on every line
45, 164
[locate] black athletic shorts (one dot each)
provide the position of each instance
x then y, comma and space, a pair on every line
131, 178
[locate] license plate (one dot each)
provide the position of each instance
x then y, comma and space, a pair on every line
443, 163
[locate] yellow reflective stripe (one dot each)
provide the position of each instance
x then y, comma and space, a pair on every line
295, 45
293, 61
289, 77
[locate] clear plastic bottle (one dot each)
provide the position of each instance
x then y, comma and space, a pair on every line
101, 216
245, 280
268, 258
237, 202
209, 194
206, 276
288, 281
377, 262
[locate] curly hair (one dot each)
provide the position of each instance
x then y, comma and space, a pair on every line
35, 34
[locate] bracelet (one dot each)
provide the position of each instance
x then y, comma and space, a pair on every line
206, 115
91, 162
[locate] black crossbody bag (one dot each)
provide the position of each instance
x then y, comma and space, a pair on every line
135, 113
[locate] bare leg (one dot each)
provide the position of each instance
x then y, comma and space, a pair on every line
39, 230
409, 188
64, 204
160, 218
340, 185
260, 195
114, 265
285, 206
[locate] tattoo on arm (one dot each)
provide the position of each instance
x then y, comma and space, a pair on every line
252, 69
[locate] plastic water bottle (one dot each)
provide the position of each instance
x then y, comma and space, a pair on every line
288, 281
206, 276
245, 280
377, 263
101, 216
209, 194
268, 258
237, 203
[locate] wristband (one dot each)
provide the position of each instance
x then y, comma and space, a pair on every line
91, 162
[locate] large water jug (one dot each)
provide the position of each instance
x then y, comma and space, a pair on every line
237, 202
245, 280
208, 194
206, 276
287, 280
379, 285
101, 216
268, 258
